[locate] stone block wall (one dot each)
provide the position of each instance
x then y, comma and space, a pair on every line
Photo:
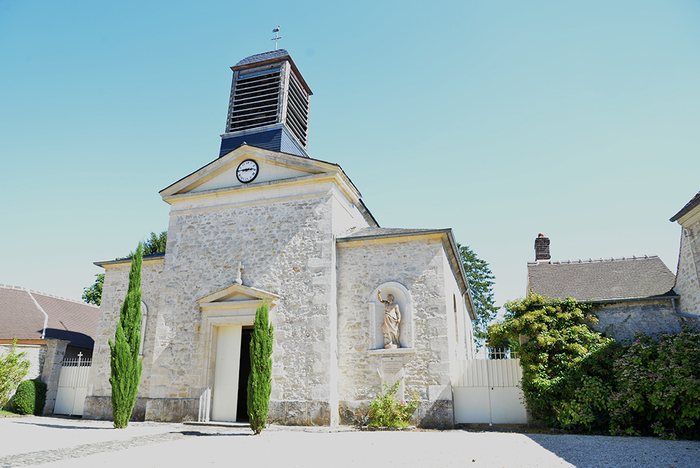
687, 278
623, 319
51, 370
285, 248
113, 295
420, 266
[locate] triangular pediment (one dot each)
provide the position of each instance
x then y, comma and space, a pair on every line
236, 296
272, 167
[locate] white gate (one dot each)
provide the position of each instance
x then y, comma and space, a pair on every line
72, 386
488, 390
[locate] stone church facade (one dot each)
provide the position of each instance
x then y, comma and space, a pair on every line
265, 222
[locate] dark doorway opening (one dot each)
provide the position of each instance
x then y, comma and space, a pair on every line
244, 371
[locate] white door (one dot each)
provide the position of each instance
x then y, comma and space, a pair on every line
228, 359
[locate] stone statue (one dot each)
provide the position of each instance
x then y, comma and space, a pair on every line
392, 318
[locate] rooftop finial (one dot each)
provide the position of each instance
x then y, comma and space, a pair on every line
277, 35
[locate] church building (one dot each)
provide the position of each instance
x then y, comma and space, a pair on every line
353, 305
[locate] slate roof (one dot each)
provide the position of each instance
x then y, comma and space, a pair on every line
601, 280
21, 316
695, 201
273, 54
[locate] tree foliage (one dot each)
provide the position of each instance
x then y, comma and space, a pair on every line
154, 244
125, 362
567, 366
481, 281
93, 294
260, 378
13, 367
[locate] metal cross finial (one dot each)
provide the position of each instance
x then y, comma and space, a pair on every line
277, 36
238, 277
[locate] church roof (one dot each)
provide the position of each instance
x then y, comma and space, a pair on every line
604, 280
694, 202
272, 55
22, 316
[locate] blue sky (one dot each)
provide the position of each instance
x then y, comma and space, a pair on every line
498, 119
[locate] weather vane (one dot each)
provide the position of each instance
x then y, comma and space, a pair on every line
277, 36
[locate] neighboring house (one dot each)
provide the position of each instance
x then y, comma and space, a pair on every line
687, 278
47, 328
265, 222
634, 294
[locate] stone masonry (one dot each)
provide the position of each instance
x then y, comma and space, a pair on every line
430, 363
687, 279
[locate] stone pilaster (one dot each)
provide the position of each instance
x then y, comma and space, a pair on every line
55, 350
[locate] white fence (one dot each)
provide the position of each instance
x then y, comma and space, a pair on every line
488, 389
72, 386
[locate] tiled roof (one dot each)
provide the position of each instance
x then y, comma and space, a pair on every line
21, 316
695, 201
604, 279
273, 54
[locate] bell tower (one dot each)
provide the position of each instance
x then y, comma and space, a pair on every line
269, 105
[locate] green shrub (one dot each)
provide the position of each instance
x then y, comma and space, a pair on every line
125, 363
13, 367
386, 411
260, 378
29, 398
658, 382
576, 379
566, 365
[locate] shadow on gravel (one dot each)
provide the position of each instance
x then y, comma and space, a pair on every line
60, 426
585, 451
216, 434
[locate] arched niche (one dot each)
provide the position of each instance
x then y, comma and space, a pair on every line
376, 313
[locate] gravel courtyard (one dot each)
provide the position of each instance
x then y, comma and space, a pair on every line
48, 441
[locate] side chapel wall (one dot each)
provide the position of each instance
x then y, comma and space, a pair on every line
98, 402
418, 265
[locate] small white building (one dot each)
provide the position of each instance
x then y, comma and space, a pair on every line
265, 222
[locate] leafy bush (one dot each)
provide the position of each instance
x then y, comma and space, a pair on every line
658, 382
29, 398
386, 411
566, 364
13, 367
574, 378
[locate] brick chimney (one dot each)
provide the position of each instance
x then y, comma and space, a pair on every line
542, 247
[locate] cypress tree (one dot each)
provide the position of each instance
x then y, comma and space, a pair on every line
260, 378
125, 361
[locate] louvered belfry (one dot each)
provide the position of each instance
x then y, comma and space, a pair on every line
269, 105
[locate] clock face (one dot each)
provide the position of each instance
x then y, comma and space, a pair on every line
247, 171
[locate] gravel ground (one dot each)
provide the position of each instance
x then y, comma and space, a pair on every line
76, 443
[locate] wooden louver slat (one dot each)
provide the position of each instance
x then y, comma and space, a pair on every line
255, 101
